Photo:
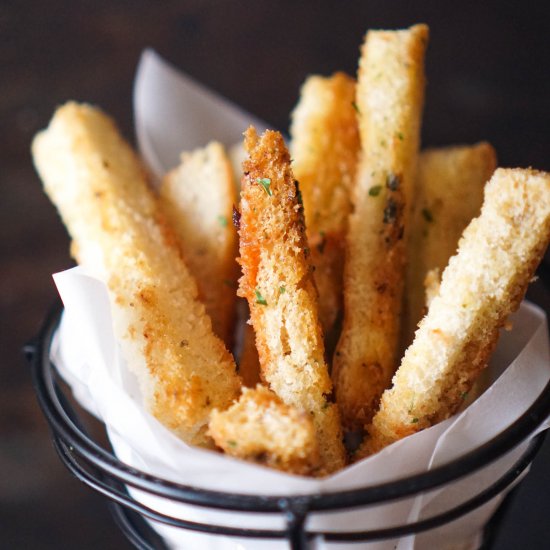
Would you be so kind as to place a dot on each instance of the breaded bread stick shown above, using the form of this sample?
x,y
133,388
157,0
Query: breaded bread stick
x,y
262,429
277,281
482,285
198,198
324,149
449,193
100,190
390,92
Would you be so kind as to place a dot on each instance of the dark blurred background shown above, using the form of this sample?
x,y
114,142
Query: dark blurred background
x,y
488,71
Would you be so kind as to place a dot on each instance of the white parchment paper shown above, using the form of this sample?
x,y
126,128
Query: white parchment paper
x,y
174,113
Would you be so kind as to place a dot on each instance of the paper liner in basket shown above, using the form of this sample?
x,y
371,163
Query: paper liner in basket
x,y
174,113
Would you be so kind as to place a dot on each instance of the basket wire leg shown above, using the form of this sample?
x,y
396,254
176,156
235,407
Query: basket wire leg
x,y
295,515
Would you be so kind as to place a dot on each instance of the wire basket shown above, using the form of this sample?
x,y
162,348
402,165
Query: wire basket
x,y
101,470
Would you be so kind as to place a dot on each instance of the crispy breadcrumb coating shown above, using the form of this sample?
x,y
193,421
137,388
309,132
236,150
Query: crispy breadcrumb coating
x,y
100,189
277,281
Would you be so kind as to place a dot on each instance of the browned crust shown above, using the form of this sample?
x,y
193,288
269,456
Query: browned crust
x,y
324,149
100,189
278,284
197,197
260,428
483,283
448,195
390,98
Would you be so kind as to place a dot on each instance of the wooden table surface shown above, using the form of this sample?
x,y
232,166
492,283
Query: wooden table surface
x,y
488,78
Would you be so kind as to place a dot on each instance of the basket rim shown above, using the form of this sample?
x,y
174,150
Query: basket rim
x,y
43,374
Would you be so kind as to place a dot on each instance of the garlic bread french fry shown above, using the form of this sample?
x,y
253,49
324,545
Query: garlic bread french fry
x,y
324,151
449,193
261,428
99,187
277,281
198,198
390,91
483,283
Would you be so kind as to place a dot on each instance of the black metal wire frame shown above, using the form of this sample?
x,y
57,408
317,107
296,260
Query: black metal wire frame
x,y
102,471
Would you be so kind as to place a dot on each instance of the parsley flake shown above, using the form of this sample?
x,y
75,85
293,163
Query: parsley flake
x,y
259,298
266,184
374,191
232,443
414,420
222,220
356,107
282,289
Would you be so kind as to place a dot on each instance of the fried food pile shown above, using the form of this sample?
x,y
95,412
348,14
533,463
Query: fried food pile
x,y
376,276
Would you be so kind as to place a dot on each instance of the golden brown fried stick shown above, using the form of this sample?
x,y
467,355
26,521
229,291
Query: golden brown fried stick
x,y
449,193
198,198
100,190
324,150
390,93
277,281
482,285
262,429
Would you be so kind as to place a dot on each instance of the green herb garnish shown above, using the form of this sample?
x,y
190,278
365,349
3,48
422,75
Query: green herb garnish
x,y
356,107
232,443
222,220
427,215
414,420
259,298
400,136
266,184
374,191
282,289
464,395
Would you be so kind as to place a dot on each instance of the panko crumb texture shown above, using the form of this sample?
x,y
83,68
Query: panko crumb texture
x,y
261,428
100,189
482,285
278,283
